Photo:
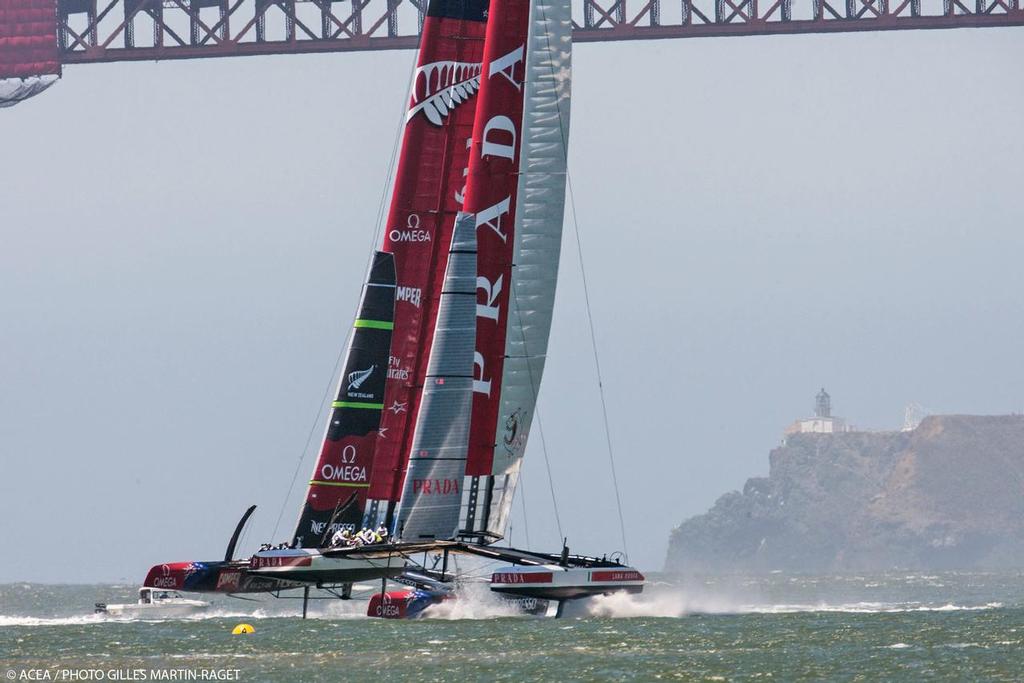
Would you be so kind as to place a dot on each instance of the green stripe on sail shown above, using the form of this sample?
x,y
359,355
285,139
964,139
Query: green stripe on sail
x,y
357,404
374,324
347,484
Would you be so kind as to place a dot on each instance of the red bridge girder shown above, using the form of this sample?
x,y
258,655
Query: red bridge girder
x,y
121,30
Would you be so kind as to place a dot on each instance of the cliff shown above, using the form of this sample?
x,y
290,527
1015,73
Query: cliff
x,y
949,494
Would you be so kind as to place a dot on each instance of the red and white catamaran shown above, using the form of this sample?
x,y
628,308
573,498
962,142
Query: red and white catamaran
x,y
437,397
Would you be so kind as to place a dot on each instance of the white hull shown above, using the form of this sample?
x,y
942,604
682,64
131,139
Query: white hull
x,y
555,582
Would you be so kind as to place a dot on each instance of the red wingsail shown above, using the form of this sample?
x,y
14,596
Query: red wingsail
x,y
428,195
491,194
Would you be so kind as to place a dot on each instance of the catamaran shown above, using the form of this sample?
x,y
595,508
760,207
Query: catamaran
x,y
435,403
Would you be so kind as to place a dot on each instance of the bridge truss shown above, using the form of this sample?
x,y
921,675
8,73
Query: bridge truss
x,y
123,30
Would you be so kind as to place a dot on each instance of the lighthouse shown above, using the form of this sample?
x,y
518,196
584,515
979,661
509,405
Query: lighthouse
x,y
823,421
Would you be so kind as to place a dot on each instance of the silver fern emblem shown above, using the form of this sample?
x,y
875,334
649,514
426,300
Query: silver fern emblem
x,y
439,87
356,379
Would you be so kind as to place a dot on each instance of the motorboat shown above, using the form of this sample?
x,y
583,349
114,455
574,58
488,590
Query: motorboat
x,y
155,603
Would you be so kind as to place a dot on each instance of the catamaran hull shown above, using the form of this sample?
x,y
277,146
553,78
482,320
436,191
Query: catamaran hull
x,y
312,567
214,577
554,582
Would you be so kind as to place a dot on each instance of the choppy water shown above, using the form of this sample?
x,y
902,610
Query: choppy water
x,y
949,626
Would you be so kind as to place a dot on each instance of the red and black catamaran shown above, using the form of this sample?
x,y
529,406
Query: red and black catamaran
x,y
435,403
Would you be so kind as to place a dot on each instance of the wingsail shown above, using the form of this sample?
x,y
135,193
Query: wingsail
x,y
428,194
516,190
432,494
337,490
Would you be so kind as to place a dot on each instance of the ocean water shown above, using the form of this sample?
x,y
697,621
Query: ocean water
x,y
911,627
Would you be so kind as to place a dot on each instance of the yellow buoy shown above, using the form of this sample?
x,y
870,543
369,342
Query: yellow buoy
x,y
243,628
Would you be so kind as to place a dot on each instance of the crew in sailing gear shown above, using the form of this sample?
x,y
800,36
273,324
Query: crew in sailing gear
x,y
382,533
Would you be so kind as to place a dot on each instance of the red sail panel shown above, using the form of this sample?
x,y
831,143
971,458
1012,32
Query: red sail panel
x,y
491,195
28,38
428,195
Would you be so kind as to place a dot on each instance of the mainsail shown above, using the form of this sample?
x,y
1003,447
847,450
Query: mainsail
x,y
428,195
337,490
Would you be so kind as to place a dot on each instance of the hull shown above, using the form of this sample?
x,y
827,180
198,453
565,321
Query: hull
x,y
554,582
413,604
213,577
310,566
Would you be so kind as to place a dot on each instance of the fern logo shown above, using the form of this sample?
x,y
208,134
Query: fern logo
x,y
356,379
439,87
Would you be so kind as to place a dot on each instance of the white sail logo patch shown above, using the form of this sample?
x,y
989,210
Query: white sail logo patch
x,y
439,87
356,379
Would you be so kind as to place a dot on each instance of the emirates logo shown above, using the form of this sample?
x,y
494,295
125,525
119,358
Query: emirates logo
x,y
439,87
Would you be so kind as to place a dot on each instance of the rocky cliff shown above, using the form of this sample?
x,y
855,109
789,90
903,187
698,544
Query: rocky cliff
x,y
949,494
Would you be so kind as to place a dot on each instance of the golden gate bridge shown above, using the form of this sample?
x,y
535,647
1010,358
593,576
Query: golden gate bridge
x,y
86,31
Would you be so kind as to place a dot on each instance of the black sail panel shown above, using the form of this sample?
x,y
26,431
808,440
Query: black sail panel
x,y
336,496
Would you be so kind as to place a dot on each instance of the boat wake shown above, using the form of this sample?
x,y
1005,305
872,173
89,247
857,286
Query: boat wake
x,y
86,619
679,604
874,608
15,620
656,603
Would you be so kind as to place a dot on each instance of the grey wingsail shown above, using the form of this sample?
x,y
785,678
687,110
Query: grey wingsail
x,y
432,495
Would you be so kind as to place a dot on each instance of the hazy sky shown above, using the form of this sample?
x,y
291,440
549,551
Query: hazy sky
x,y
182,246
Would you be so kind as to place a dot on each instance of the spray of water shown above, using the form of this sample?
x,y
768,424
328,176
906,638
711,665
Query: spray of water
x,y
678,603
659,602
473,601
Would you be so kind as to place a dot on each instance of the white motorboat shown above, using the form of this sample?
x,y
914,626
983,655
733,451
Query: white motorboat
x,y
155,603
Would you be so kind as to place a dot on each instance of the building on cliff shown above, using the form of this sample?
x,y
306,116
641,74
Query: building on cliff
x,y
823,422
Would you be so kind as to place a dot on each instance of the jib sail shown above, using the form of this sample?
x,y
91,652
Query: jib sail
x,y
338,489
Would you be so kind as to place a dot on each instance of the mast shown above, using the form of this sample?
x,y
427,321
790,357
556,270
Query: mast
x,y
428,194
336,495
516,190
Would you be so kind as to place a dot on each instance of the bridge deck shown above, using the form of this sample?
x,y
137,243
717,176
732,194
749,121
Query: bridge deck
x,y
121,30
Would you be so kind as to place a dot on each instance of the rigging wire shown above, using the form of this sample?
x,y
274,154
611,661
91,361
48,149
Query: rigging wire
x,y
309,438
388,181
536,412
597,367
586,295
522,502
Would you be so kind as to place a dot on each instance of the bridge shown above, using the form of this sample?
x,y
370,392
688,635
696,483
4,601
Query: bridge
x,y
118,30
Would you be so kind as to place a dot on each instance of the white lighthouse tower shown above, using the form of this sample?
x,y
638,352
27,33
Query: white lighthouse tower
x,y
823,421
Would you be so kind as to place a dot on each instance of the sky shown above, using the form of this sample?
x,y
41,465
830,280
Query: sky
x,y
182,246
